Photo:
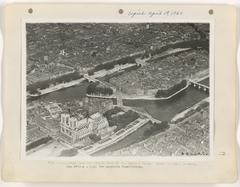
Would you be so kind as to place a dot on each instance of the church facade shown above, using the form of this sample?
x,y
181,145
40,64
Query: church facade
x,y
79,128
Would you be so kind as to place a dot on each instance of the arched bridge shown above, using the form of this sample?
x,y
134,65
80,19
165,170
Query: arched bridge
x,y
199,85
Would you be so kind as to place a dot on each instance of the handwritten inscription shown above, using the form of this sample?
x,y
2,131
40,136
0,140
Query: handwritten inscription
x,y
153,14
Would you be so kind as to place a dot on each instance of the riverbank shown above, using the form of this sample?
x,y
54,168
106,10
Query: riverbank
x,y
198,78
183,113
147,98
101,96
57,87
116,137
152,98
204,74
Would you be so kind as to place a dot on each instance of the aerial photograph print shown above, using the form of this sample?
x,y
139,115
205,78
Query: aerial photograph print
x,y
117,89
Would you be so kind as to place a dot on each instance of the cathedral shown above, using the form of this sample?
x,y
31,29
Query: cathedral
x,y
78,128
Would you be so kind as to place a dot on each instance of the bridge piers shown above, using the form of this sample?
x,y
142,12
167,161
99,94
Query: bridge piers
x,y
199,86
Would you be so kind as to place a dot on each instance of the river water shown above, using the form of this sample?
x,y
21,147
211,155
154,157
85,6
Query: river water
x,y
205,81
162,110
65,95
165,110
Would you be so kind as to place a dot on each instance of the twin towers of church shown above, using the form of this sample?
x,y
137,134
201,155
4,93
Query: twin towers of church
x,y
78,128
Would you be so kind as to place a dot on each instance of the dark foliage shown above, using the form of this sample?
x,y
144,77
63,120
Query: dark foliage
x,y
121,121
113,111
94,88
38,142
156,128
33,88
194,44
110,65
94,137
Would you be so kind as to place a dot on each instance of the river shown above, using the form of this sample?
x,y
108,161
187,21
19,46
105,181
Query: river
x,y
162,110
165,110
205,82
65,95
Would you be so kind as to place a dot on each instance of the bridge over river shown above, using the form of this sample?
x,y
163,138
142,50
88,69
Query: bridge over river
x,y
199,85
